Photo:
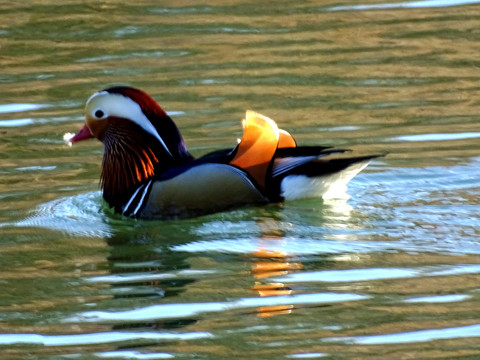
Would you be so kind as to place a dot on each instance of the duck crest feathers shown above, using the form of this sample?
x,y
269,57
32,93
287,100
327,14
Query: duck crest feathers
x,y
260,141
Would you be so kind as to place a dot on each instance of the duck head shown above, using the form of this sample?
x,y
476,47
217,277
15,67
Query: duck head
x,y
139,138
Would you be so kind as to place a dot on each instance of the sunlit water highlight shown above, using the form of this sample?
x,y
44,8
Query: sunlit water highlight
x,y
405,4
415,336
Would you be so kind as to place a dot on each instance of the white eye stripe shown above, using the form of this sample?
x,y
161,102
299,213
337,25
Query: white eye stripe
x,y
123,107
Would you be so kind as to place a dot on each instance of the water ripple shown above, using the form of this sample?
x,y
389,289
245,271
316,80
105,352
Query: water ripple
x,y
96,338
439,137
16,122
124,354
306,356
133,277
75,215
413,336
11,108
438,299
171,311
378,273
133,55
406,4
287,245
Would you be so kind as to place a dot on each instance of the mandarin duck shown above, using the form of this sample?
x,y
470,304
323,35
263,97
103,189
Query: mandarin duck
x,y
147,171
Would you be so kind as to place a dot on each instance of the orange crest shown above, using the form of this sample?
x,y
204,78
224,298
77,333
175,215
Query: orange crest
x,y
260,140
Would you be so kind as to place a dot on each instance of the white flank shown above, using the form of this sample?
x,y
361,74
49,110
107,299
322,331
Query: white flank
x,y
121,106
328,186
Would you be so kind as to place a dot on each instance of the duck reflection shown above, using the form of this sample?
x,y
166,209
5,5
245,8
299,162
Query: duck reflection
x,y
267,264
143,267
199,260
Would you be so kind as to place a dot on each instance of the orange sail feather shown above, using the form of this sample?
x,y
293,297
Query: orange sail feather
x,y
257,146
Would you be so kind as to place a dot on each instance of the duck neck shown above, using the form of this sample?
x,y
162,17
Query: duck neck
x,y
130,160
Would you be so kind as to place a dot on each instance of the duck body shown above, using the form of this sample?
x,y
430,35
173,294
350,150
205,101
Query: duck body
x,y
147,171
200,189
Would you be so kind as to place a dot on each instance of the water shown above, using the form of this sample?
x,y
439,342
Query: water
x,y
391,273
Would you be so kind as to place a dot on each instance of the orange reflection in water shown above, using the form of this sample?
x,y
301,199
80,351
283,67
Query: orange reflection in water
x,y
268,264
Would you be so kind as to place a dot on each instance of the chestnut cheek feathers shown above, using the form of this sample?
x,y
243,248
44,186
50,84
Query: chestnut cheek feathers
x,y
98,127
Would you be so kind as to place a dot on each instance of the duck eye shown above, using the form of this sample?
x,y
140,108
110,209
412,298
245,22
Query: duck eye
x,y
99,114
